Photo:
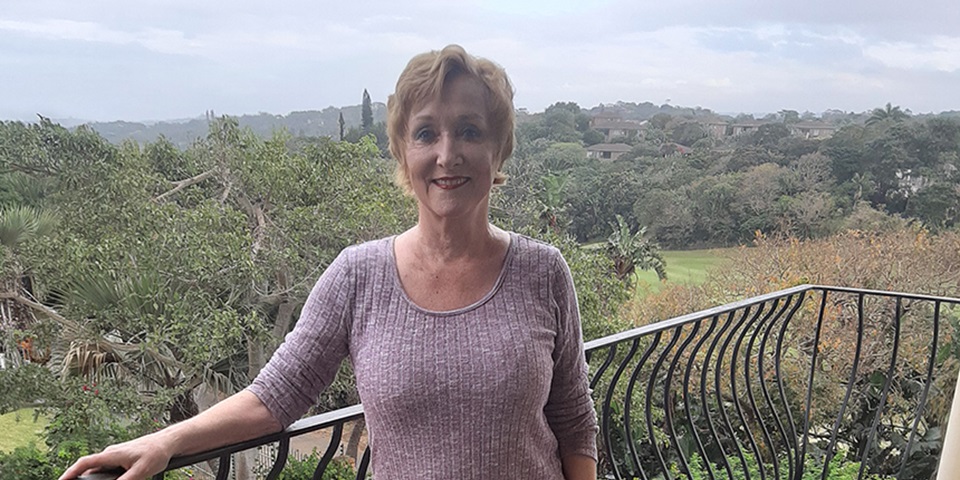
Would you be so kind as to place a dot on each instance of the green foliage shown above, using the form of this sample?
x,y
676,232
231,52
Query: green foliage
x,y
173,269
838,469
339,468
631,251
26,463
366,113
769,180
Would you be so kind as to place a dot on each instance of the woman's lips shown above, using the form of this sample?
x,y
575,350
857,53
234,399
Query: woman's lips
x,y
450,183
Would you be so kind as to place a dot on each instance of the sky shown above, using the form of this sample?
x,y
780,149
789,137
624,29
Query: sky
x,y
149,60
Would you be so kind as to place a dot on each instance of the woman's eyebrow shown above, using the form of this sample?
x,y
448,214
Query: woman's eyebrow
x,y
472,117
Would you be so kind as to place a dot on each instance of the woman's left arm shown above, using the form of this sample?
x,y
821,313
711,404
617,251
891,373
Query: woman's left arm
x,y
579,467
569,408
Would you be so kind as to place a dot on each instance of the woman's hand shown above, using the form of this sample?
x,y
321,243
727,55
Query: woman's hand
x,y
141,458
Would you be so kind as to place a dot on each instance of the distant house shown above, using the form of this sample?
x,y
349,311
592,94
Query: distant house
x,y
716,129
607,151
812,129
721,129
674,149
740,128
613,127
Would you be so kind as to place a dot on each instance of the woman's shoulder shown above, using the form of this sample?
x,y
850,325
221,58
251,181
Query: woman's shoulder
x,y
376,250
539,252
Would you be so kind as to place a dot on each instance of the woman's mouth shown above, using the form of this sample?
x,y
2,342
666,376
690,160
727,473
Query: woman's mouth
x,y
450,183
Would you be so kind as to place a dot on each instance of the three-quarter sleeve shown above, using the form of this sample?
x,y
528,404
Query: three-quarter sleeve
x,y
569,408
311,354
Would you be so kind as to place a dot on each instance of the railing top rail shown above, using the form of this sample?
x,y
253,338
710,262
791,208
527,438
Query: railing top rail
x,y
885,293
668,324
297,428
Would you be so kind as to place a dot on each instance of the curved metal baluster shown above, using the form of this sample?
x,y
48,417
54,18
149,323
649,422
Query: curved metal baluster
x,y
629,400
801,458
608,399
703,393
637,370
611,353
703,386
846,397
926,387
330,451
281,459
716,377
766,392
758,415
886,386
795,470
223,468
364,464
684,463
733,383
649,406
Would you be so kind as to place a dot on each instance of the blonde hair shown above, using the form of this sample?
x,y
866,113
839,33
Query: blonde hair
x,y
425,76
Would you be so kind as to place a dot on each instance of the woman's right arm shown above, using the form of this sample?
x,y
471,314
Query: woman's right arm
x,y
240,417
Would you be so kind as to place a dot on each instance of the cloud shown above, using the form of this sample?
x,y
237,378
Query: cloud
x,y
940,53
254,56
159,40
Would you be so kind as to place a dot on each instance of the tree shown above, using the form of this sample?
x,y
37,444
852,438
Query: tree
x,y
171,270
592,137
937,206
687,133
660,121
889,112
560,122
630,251
789,116
551,200
366,113
342,123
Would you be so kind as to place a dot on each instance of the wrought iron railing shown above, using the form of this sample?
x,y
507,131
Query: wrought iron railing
x,y
790,385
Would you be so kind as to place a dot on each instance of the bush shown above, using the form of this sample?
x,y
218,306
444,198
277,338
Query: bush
x,y
340,468
26,463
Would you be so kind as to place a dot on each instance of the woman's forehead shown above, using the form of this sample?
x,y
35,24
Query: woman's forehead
x,y
466,94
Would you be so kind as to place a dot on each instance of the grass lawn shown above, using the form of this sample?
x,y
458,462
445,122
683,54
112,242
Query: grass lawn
x,y
683,266
15,433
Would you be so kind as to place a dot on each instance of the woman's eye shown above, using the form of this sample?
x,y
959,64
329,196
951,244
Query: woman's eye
x,y
470,133
423,135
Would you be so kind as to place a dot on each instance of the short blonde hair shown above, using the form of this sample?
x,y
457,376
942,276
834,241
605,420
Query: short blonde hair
x,y
425,76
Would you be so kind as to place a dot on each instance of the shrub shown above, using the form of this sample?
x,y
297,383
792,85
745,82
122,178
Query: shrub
x,y
26,463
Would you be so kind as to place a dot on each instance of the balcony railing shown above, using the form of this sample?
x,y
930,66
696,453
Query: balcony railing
x,y
811,379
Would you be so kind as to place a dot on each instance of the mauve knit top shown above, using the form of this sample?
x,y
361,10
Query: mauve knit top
x,y
494,390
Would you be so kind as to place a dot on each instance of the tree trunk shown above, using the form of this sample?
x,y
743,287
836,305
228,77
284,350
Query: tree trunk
x,y
183,407
353,444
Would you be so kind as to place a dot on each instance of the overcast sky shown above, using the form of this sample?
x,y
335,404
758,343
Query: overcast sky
x,y
171,59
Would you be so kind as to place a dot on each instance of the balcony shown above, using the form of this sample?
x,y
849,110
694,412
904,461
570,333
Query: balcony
x,y
808,380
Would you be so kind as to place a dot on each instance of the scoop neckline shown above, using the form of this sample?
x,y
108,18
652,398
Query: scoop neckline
x,y
457,311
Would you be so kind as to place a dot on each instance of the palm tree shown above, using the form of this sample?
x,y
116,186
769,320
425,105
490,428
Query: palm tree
x,y
551,199
630,251
894,114
17,226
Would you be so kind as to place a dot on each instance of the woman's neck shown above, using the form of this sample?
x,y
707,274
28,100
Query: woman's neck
x,y
451,240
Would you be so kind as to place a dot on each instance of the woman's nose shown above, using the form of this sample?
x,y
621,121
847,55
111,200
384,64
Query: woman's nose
x,y
448,151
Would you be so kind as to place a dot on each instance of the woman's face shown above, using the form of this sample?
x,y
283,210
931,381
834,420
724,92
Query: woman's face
x,y
450,152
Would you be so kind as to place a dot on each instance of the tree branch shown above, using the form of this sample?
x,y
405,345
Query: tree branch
x,y
182,184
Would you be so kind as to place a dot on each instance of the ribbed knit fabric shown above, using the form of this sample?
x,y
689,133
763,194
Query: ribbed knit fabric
x,y
494,390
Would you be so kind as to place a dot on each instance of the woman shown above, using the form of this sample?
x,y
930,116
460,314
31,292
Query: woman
x,y
465,339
